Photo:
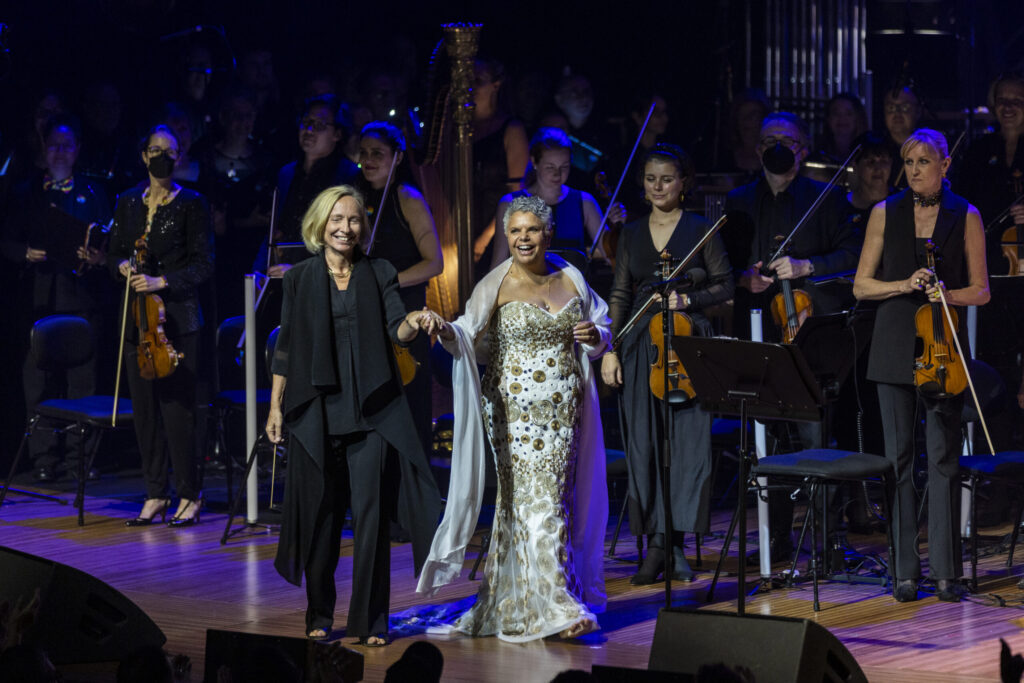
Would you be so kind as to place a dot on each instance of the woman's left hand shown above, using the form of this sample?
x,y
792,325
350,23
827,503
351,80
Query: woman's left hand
x,y
147,283
932,291
586,333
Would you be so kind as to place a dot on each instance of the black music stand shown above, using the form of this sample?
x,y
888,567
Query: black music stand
x,y
754,380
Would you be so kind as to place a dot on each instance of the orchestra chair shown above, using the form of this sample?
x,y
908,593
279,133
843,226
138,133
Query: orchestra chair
x,y
59,343
813,471
263,398
617,471
1008,468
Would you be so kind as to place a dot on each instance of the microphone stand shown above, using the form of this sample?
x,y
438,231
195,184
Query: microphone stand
x,y
666,443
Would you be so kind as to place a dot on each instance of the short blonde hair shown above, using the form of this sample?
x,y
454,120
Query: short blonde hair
x,y
926,136
314,223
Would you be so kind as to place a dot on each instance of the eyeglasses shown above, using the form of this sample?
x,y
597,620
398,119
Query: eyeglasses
x,y
892,108
785,141
62,147
315,125
1010,102
154,151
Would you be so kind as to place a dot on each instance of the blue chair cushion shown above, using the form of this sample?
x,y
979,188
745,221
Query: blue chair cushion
x,y
824,463
1006,465
236,397
95,410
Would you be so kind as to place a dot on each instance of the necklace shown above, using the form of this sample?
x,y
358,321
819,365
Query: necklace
x,y
342,273
928,200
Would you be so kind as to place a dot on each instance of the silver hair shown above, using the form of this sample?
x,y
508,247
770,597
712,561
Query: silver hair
x,y
529,204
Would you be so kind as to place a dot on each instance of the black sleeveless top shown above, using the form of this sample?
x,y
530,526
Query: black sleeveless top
x,y
395,243
891,359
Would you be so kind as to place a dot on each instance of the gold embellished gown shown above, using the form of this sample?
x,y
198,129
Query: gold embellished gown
x,y
531,401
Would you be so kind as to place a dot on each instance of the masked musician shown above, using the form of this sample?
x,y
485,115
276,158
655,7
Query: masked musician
x,y
893,269
45,234
667,173
175,225
758,213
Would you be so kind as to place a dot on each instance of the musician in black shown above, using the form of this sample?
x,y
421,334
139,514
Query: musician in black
x,y
45,235
175,223
758,214
668,172
893,270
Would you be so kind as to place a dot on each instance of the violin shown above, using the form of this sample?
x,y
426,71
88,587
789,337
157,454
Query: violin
x,y
939,371
156,356
791,307
668,377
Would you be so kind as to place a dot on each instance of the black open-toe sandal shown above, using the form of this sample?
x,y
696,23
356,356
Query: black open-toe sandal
x,y
365,640
319,634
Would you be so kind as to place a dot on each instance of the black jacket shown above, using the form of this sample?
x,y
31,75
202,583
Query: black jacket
x,y
305,354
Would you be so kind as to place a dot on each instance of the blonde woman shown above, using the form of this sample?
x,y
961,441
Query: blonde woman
x,y
352,441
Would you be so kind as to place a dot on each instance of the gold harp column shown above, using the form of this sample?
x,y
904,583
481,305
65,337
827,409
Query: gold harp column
x,y
461,44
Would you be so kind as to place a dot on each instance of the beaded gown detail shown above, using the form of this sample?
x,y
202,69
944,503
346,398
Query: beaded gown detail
x,y
531,401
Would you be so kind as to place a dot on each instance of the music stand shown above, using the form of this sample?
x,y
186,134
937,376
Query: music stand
x,y
754,380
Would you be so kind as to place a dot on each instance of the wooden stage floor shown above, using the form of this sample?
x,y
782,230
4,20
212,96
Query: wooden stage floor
x,y
187,582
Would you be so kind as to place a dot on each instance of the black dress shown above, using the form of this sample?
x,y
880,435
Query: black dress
x,y
636,265
395,243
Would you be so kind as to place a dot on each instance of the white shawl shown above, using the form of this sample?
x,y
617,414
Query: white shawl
x,y
589,517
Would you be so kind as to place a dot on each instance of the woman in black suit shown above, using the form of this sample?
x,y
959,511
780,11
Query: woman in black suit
x,y
353,443
175,224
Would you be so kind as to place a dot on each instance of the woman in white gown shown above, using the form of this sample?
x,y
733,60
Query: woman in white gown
x,y
543,325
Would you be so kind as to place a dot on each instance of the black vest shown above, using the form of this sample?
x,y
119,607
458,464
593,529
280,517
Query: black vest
x,y
893,341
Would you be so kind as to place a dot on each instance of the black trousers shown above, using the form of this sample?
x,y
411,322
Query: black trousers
x,y
353,476
169,403
898,403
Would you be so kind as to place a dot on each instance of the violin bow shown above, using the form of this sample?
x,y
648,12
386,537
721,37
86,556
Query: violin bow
x,y
814,207
963,358
120,346
270,236
383,198
618,186
628,327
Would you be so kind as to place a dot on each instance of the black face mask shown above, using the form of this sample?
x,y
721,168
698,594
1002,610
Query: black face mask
x,y
161,166
778,159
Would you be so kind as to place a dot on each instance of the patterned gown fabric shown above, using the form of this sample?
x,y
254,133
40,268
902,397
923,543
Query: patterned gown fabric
x,y
531,403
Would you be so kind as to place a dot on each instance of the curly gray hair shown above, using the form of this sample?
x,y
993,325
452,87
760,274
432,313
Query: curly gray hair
x,y
529,204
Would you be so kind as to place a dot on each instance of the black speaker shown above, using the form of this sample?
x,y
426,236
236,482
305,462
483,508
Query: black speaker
x,y
775,649
279,658
80,618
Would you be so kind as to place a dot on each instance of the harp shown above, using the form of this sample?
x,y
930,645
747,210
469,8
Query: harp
x,y
443,163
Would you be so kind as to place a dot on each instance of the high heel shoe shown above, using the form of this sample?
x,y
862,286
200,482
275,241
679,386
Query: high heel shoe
x,y
654,562
188,515
161,509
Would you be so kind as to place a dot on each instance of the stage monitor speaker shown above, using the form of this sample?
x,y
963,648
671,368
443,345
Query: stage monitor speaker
x,y
775,649
80,618
253,655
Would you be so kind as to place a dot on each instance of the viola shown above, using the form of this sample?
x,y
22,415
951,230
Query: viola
x,y
668,376
791,307
939,371
156,355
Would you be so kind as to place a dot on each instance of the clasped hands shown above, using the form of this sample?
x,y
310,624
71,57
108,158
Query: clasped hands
x,y
784,267
584,332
